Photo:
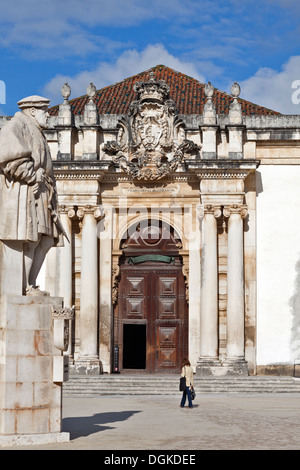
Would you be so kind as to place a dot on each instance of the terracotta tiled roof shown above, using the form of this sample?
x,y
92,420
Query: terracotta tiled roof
x,y
186,91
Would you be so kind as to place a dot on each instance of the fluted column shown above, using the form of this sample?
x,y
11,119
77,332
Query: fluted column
x,y
88,361
209,290
235,353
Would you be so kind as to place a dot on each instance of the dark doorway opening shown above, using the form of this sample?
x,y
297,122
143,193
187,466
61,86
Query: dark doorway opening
x,y
134,346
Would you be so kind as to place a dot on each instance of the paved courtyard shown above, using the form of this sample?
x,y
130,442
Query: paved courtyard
x,y
217,422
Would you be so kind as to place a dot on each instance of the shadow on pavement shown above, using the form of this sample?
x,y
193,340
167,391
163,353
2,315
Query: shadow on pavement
x,y
81,426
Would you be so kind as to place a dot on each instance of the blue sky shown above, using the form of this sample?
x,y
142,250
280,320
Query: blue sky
x,y
44,44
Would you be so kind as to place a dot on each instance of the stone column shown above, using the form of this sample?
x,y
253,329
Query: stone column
x,y
66,216
235,355
88,361
209,292
67,213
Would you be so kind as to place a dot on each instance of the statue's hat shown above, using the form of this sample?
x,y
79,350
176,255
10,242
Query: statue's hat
x,y
33,101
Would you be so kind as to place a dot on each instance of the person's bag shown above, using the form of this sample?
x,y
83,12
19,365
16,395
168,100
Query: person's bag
x,y
182,384
193,394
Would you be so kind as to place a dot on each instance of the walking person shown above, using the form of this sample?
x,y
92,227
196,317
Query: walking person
x,y
187,372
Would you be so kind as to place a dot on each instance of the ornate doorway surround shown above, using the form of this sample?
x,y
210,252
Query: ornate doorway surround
x,y
151,315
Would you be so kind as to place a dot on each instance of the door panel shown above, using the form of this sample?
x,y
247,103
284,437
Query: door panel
x,y
135,285
167,285
135,296
167,360
167,308
154,295
167,347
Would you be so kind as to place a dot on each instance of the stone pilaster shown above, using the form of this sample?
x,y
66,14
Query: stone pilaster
x,y
105,290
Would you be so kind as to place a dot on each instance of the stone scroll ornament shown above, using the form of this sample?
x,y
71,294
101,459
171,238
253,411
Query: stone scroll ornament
x,y
151,139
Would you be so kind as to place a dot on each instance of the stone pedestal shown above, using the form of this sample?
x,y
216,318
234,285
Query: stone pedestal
x,y
209,367
11,272
90,142
30,402
64,131
209,142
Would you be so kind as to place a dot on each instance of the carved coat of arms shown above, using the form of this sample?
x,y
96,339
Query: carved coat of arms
x,y
151,139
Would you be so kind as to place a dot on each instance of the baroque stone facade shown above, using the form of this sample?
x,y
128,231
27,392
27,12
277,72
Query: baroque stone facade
x,y
180,228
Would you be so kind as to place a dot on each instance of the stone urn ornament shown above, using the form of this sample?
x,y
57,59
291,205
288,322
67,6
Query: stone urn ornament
x,y
235,90
66,91
91,91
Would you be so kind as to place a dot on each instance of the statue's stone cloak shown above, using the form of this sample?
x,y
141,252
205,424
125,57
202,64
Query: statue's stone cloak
x,y
25,215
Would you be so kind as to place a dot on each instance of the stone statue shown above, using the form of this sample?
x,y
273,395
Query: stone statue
x,y
28,198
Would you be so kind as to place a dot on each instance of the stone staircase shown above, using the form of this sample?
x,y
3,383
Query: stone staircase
x,y
113,385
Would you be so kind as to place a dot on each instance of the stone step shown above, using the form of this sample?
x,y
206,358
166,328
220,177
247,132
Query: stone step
x,y
104,385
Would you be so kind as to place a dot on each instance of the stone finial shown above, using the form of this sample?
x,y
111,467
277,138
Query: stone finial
x,y
90,111
209,91
91,91
66,91
209,110
235,90
64,112
235,110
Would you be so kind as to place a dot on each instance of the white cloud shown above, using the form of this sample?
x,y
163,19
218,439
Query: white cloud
x,y
273,89
129,63
62,29
100,12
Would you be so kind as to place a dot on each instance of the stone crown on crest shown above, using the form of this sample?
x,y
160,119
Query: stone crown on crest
x,y
152,90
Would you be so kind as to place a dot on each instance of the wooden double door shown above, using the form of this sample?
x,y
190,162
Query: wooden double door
x,y
152,317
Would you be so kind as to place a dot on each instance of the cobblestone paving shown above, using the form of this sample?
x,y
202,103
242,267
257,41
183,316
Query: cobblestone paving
x,y
217,422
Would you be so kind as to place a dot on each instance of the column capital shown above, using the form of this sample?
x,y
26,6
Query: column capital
x,y
211,209
242,210
68,210
96,211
